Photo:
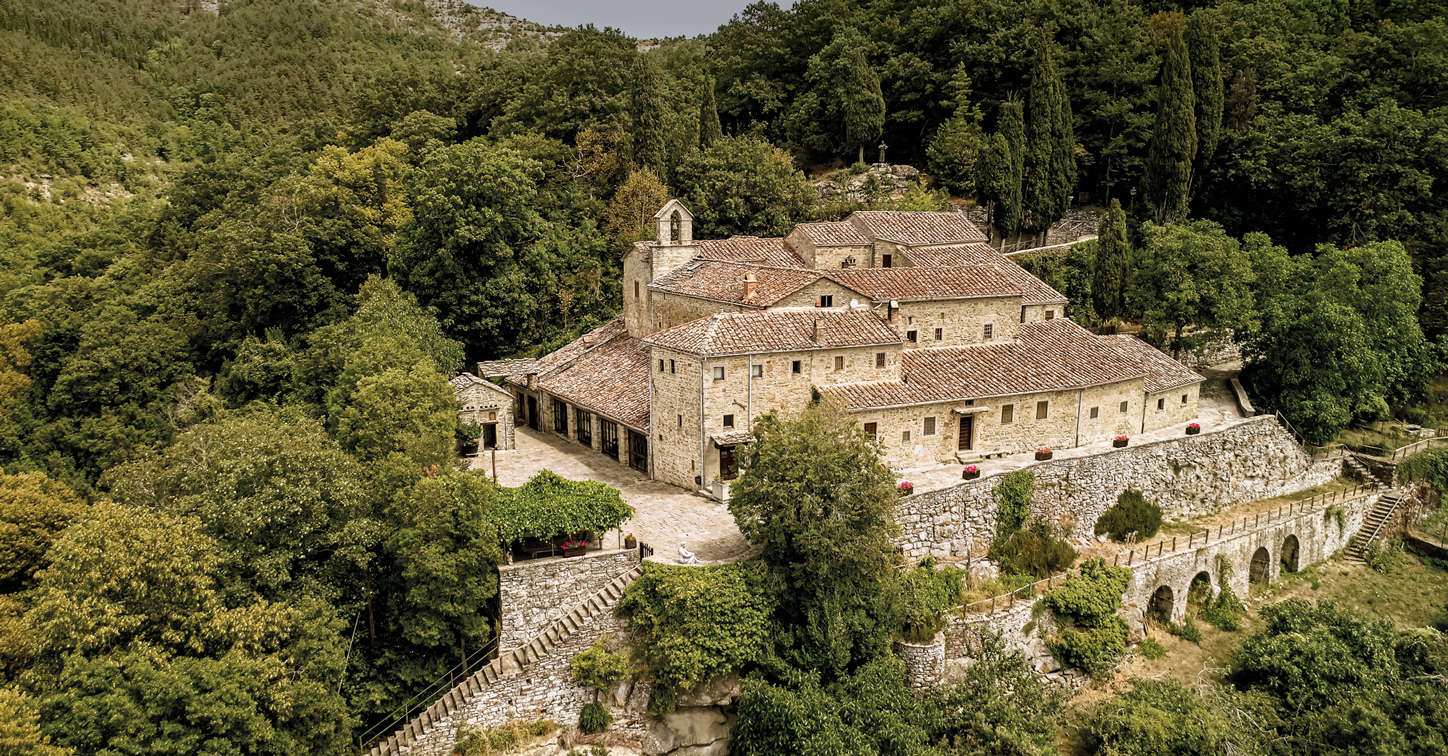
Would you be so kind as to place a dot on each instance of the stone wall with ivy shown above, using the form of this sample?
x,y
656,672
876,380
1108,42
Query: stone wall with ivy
x,y
1186,476
534,593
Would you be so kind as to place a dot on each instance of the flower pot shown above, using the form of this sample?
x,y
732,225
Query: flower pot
x,y
1119,442
1193,430
579,551
629,542
1043,455
970,474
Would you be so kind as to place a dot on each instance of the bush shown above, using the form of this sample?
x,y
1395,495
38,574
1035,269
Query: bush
x,y
1034,550
1151,648
1158,717
1132,516
1430,466
1094,649
925,594
548,506
1187,631
1013,502
475,741
1226,611
593,718
1094,593
1383,558
598,668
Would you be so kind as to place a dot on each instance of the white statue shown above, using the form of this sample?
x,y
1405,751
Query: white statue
x,y
686,556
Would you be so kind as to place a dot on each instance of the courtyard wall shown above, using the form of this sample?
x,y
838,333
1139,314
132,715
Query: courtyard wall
x,y
533,594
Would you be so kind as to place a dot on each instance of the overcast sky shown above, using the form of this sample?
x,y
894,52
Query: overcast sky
x,y
638,18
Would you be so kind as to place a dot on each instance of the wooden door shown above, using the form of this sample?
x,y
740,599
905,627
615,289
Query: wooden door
x,y
966,441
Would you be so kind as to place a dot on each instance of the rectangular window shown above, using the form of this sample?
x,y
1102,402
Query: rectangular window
x,y
1023,314
872,429
988,331
1008,414
661,365
1095,411
912,336
718,373
839,363
1161,404
756,370
794,367
1184,398
939,334
560,417
681,421
671,366
1123,408
1042,408
886,260
728,421
905,435
636,289
583,424
728,468
827,300
1050,314
608,437
929,428
879,359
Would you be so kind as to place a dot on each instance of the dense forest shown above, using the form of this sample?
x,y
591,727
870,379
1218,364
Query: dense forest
x,y
242,251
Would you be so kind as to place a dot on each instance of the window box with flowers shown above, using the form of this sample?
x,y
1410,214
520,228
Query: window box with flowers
x,y
1120,441
905,488
971,472
575,546
1193,429
1043,454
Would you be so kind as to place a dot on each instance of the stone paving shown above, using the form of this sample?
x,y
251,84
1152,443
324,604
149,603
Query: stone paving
x,y
664,516
1217,409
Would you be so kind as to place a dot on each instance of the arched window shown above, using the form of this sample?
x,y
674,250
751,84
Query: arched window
x,y
675,222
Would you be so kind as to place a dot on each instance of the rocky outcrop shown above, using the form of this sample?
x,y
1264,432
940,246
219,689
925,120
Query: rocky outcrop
x,y
699,725
879,181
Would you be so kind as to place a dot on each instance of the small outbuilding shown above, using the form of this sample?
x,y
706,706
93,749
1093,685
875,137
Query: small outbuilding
x,y
487,405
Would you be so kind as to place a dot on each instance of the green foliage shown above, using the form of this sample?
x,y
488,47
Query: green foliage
x,y
1428,466
20,733
1315,655
1191,275
1131,517
1034,550
646,111
631,213
1112,263
709,129
1013,501
1162,717
1095,648
926,593
549,505
1093,593
1151,648
1382,556
1174,137
1049,180
1225,611
1001,705
699,623
1187,630
959,144
593,718
33,511
475,741
742,185
598,667
1204,51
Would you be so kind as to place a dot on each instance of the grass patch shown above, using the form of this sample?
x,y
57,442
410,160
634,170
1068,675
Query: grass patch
x,y
1381,435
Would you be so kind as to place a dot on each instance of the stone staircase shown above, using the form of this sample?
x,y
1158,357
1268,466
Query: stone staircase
x,y
1373,524
507,665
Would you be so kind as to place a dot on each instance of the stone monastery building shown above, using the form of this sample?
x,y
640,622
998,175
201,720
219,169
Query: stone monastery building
x,y
940,346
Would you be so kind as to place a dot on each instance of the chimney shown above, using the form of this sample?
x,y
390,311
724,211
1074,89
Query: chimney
x,y
819,331
750,284
890,310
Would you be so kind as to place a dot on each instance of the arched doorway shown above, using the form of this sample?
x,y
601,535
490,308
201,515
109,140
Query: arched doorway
x,y
1199,593
1261,571
1289,554
1159,608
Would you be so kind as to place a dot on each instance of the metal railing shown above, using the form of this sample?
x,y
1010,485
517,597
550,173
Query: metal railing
x,y
401,715
1169,546
1398,454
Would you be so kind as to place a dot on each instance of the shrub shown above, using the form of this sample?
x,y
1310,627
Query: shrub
x,y
1094,593
548,506
1226,611
1430,466
1093,649
1033,550
1187,631
1151,648
598,668
699,623
475,741
593,718
1132,516
1013,502
1383,557
925,594
1158,717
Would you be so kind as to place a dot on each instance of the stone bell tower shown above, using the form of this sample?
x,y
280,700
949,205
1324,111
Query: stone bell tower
x,y
675,238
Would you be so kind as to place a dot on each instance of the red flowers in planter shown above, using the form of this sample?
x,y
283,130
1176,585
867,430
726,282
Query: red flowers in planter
x,y
1120,441
906,488
971,472
1193,429
1043,453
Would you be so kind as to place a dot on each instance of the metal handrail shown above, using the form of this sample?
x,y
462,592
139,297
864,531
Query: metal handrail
x,y
1378,528
400,716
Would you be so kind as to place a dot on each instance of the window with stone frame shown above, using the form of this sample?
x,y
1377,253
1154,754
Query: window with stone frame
x,y
636,289
912,336
728,421
879,359
928,428
671,366
839,362
1184,398
939,334
661,364
988,331
872,430
1050,314
719,373
756,371
795,366
905,435
1043,408
1161,404
1124,406
560,416
827,300
1008,414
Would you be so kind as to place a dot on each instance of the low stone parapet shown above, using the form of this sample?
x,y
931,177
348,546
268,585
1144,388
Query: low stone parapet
x,y
924,662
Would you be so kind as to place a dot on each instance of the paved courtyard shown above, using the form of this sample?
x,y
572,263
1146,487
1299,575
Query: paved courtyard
x,y
664,516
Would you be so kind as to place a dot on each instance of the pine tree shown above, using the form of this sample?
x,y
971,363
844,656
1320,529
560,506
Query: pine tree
x,y
1050,164
709,128
1012,131
861,102
955,150
1113,255
650,148
1204,52
1174,138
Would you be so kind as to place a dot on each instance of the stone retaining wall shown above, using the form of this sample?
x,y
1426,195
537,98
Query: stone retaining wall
x,y
1186,476
536,592
924,662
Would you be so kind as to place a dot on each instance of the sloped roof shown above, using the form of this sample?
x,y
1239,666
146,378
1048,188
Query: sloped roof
x,y
776,331
1053,355
465,381
493,368
610,378
724,281
575,348
1162,372
913,228
962,282
772,251
1034,291
832,234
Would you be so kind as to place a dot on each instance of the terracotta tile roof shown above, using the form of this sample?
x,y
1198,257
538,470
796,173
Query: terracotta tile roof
x,y
570,351
750,249
465,381
493,368
916,228
1033,290
611,379
833,234
724,281
731,438
1162,372
776,331
928,283
1048,356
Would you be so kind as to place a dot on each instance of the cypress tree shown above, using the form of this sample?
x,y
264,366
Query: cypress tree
x,y
993,164
1012,133
1113,255
1050,164
862,104
1204,52
1174,137
647,102
709,128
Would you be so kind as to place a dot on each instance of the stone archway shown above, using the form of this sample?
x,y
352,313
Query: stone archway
x,y
1159,609
1261,570
1289,555
1199,593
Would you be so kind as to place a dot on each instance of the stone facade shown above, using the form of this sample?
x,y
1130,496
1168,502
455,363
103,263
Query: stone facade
x,y
487,405
1187,476
534,593
924,662
958,321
